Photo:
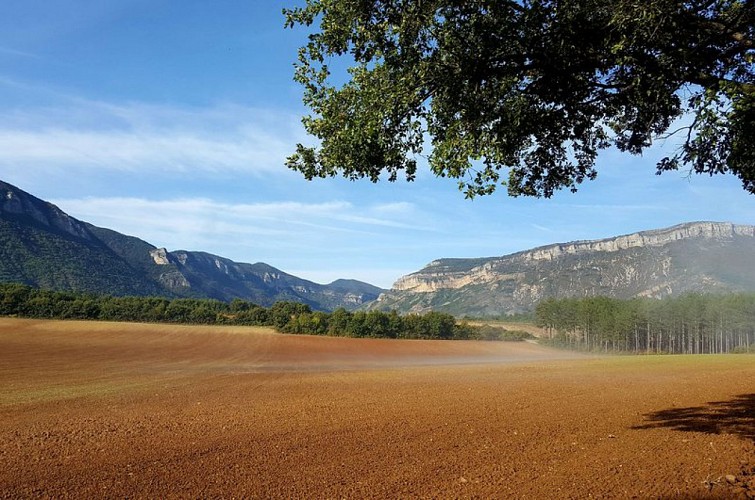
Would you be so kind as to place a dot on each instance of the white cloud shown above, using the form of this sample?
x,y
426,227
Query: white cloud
x,y
601,207
136,150
83,135
400,207
17,53
198,220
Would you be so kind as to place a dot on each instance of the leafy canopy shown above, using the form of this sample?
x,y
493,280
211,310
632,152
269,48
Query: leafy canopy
x,y
524,93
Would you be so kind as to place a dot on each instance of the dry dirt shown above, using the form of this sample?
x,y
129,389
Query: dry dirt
x,y
122,410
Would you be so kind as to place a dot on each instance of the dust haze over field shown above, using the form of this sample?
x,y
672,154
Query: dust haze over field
x,y
116,410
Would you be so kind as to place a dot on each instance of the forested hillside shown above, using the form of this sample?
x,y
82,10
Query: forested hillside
x,y
48,257
42,246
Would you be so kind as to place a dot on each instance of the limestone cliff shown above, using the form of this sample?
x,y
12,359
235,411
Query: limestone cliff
x,y
698,256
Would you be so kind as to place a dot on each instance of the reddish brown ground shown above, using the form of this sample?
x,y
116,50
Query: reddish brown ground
x,y
122,410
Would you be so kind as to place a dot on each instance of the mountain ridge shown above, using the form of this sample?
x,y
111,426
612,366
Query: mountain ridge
x,y
45,247
652,263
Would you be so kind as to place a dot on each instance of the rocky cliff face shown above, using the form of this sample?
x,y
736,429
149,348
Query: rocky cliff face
x,y
700,256
656,238
217,277
16,203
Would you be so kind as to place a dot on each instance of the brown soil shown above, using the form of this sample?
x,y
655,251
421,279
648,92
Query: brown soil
x,y
123,410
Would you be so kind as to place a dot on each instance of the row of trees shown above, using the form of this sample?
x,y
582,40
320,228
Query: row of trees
x,y
691,324
287,317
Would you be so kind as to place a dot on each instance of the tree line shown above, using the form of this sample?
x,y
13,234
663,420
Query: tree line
x,y
690,324
286,317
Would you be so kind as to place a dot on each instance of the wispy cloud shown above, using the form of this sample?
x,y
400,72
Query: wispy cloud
x,y
616,207
17,53
247,151
199,220
544,229
81,135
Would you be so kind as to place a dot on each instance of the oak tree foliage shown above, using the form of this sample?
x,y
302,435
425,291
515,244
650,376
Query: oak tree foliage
x,y
524,93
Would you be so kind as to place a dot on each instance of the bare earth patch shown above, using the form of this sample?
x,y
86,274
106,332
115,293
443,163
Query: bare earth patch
x,y
126,410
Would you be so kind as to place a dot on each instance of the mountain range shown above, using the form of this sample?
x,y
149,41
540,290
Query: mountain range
x,y
693,257
42,246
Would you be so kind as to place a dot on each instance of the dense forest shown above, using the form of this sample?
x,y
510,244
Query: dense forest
x,y
286,317
690,324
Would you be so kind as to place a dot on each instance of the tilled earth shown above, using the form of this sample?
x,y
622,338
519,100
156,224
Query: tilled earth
x,y
124,410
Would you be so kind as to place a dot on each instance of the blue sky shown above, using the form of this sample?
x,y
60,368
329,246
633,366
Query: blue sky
x,y
171,121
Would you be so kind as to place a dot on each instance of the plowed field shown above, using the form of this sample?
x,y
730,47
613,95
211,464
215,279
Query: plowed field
x,y
92,410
